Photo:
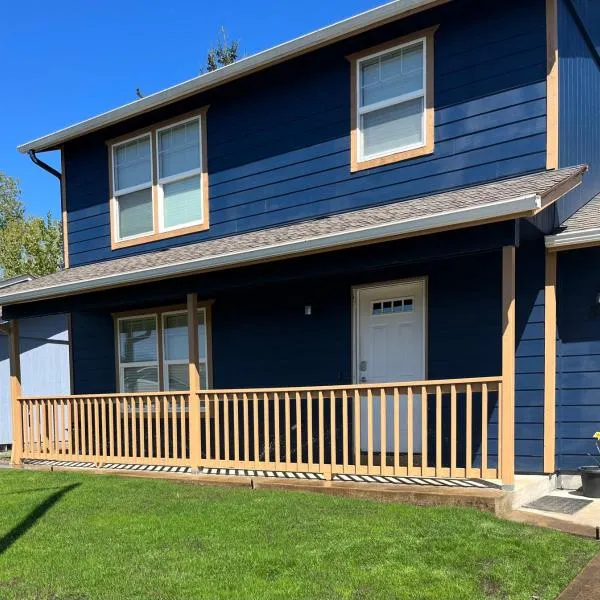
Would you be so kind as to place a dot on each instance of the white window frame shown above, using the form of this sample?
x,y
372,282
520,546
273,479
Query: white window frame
x,y
161,181
360,111
166,363
134,188
124,365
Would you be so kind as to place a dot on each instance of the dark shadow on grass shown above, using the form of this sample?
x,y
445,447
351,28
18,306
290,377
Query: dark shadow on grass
x,y
21,528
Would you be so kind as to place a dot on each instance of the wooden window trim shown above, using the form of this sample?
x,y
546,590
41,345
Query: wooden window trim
x,y
428,147
158,312
156,235
552,86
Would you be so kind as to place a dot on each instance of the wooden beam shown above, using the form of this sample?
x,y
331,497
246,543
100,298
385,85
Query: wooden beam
x,y
194,379
552,93
14,357
550,363
507,402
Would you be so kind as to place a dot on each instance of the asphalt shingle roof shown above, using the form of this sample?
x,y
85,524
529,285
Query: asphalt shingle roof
x,y
587,217
543,184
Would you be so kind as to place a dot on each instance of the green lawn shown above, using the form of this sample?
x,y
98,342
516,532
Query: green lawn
x,y
75,536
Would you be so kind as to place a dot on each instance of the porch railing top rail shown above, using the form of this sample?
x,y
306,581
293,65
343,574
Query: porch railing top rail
x,y
355,386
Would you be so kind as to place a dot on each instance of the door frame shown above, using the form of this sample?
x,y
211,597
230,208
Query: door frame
x,y
356,289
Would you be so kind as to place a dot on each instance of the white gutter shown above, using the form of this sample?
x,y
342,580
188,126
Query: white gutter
x,y
460,217
261,60
567,239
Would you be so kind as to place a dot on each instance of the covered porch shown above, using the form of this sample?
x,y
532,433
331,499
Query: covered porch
x,y
326,414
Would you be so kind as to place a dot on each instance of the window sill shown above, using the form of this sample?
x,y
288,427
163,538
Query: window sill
x,y
154,237
380,161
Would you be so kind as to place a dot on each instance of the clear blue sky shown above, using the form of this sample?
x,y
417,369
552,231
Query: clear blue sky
x,y
67,60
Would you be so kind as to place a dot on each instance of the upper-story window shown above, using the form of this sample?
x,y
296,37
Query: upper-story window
x,y
392,101
159,183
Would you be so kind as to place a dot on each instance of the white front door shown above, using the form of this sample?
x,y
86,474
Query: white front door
x,y
390,346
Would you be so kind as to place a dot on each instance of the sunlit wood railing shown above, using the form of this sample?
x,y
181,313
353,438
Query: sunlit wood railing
x,y
148,428
446,428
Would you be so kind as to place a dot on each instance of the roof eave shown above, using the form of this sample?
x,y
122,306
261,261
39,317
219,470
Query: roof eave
x,y
245,66
573,239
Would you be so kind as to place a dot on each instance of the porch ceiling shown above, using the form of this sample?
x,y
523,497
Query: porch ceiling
x,y
497,201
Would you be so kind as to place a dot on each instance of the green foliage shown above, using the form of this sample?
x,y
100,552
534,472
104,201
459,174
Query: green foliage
x,y
11,207
223,53
28,245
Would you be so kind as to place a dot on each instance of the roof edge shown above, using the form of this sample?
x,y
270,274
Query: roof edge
x,y
518,206
571,239
245,66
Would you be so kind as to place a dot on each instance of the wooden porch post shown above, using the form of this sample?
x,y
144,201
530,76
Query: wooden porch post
x,y
194,378
14,357
507,403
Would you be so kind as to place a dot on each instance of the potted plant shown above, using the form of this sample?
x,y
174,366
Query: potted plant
x,y
590,476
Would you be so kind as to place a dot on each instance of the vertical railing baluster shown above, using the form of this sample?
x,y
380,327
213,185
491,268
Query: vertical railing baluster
x,y
438,431
174,436
396,431
157,427
453,430
344,431
298,431
424,432
149,423
288,433
276,431
266,427
309,430
410,425
369,431
469,432
356,419
246,428
255,417
217,429
236,431
142,429
382,430
126,425
484,429
167,437
226,430
183,455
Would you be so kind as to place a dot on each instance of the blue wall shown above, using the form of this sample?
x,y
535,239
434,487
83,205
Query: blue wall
x,y
578,360
44,364
579,102
529,364
278,141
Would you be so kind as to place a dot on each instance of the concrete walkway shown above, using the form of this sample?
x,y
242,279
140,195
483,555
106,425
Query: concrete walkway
x,y
585,520
586,586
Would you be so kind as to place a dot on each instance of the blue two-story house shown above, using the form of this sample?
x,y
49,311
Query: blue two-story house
x,y
330,257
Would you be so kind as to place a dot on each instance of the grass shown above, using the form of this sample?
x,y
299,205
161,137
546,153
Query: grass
x,y
76,536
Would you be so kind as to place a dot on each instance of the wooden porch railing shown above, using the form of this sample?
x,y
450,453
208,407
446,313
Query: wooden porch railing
x,y
447,428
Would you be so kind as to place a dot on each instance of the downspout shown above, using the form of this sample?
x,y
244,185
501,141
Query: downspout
x,y
40,163
45,166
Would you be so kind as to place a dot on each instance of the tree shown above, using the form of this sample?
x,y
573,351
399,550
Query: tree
x,y
28,245
223,53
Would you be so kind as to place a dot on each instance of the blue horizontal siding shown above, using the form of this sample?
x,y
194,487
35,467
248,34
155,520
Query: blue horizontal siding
x,y
529,382
578,357
278,141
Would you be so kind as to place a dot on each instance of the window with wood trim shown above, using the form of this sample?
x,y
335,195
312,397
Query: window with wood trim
x,y
153,351
159,184
392,101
